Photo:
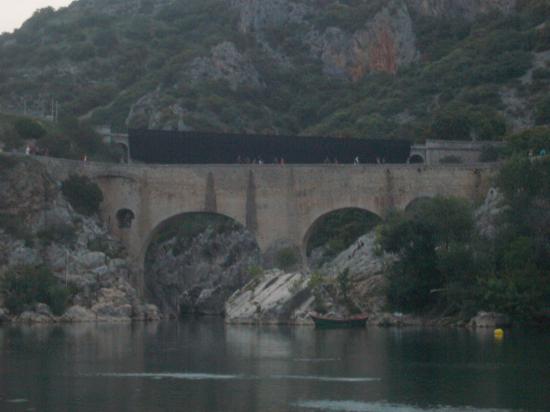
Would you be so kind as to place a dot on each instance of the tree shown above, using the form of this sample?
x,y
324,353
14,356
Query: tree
x,y
84,195
29,129
426,239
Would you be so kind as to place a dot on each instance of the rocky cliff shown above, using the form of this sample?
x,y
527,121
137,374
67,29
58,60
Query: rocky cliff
x,y
39,228
196,273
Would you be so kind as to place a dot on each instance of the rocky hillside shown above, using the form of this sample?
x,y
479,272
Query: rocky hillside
x,y
400,68
43,241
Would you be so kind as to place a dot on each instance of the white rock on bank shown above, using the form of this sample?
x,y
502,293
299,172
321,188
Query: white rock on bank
x,y
92,260
33,317
489,320
276,297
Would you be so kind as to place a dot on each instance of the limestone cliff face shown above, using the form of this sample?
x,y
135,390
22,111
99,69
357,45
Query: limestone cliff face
x,y
386,43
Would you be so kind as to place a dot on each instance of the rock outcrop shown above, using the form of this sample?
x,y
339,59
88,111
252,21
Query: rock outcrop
x,y
225,63
197,275
40,228
278,297
274,297
488,214
490,320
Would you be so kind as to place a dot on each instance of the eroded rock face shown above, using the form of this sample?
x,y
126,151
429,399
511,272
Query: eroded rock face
x,y
226,63
200,277
386,43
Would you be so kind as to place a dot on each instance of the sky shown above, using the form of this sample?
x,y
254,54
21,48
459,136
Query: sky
x,y
14,12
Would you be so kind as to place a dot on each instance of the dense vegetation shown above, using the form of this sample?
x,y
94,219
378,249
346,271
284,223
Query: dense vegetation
x,y
454,91
67,138
84,195
446,266
23,287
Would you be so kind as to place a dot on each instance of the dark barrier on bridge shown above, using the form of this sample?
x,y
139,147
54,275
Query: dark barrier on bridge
x,y
154,146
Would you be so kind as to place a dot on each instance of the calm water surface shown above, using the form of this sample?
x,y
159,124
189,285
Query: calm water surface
x,y
208,366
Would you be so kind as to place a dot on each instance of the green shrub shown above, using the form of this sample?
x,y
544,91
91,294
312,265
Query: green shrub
x,y
60,233
25,286
14,226
29,129
84,195
287,258
255,272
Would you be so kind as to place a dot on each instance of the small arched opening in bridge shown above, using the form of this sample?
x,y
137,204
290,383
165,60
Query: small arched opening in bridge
x,y
416,159
336,231
124,218
195,261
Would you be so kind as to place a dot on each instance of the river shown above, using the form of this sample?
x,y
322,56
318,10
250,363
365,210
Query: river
x,y
206,366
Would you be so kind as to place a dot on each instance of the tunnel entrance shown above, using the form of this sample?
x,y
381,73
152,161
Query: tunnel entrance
x,y
334,232
195,261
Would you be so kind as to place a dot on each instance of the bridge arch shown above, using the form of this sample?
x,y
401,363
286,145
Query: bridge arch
x,y
342,226
171,223
195,252
416,159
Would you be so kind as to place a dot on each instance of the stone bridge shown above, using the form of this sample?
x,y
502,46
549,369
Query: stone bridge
x,y
278,204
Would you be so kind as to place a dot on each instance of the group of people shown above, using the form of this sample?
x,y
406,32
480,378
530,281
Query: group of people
x,y
258,160
281,160
33,150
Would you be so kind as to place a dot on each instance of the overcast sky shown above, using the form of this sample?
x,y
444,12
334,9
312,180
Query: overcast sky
x,y
14,12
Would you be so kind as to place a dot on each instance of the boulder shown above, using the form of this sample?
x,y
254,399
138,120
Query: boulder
x,y
43,309
146,313
92,260
490,320
33,317
78,314
112,312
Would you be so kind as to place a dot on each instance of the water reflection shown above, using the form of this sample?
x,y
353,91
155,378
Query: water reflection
x,y
208,366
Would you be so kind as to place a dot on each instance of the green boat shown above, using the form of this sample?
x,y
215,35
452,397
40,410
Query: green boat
x,y
326,322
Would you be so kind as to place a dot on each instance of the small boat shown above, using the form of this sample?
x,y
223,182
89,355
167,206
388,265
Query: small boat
x,y
327,322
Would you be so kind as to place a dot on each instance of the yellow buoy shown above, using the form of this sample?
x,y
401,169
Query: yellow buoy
x,y
499,333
